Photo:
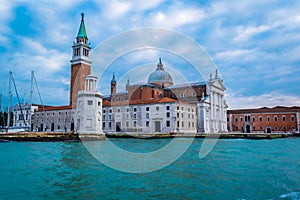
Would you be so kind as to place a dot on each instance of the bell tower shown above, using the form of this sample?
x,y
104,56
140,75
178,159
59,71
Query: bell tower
x,y
80,63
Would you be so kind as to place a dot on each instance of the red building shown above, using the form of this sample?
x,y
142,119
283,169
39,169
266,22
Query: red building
x,y
264,120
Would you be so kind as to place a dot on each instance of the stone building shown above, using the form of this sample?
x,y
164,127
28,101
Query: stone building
x,y
22,114
264,120
202,106
88,115
155,106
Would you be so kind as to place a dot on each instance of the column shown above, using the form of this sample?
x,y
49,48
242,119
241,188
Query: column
x,y
211,111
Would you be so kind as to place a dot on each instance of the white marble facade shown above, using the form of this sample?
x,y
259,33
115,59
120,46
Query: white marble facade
x,y
88,114
151,118
212,110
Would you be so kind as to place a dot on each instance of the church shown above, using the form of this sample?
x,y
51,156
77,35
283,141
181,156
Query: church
x,y
156,106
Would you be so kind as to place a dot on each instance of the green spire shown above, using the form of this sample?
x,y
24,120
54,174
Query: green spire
x,y
82,31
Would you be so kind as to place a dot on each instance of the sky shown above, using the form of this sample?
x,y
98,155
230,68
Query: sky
x,y
254,44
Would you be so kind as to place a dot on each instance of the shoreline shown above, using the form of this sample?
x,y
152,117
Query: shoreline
x,y
59,136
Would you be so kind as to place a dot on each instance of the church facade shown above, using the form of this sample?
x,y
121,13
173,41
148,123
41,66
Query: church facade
x,y
157,106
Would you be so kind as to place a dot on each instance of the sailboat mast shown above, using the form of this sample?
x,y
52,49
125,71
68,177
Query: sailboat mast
x,y
9,99
30,103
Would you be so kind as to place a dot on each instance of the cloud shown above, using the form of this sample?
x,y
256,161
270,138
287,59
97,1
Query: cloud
x,y
246,32
233,53
264,100
177,16
254,43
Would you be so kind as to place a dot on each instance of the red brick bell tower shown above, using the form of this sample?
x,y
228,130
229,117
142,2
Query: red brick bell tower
x,y
80,62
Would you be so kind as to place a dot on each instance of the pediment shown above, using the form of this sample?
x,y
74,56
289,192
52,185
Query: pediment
x,y
219,84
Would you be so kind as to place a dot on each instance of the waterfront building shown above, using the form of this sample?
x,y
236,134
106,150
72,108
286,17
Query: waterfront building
x,y
264,120
88,115
22,113
155,106
164,115
161,106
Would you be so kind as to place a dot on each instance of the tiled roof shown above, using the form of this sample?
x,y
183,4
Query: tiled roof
x,y
136,102
265,110
49,108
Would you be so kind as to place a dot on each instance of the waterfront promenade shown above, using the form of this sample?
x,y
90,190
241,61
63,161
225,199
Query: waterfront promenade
x,y
69,136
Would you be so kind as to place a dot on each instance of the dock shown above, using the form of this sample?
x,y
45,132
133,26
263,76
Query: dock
x,y
69,136
39,136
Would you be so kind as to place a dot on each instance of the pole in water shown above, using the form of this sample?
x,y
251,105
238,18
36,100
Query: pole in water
x,y
9,99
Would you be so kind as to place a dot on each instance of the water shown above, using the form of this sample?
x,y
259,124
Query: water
x,y
235,169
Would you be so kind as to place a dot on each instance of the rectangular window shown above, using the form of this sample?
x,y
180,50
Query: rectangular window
x,y
168,114
109,124
157,108
147,108
177,107
147,115
104,111
90,102
168,108
103,124
134,116
178,124
268,118
147,123
127,124
168,123
134,124
182,123
177,115
119,110
134,109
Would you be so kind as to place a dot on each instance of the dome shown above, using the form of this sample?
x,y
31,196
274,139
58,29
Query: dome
x,y
160,76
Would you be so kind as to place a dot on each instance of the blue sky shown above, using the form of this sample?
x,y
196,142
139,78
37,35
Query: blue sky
x,y
255,44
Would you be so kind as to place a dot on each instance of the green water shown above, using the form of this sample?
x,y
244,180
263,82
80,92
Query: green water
x,y
234,169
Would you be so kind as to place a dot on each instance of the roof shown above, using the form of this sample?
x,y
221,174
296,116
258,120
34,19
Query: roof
x,y
82,30
136,102
184,85
265,110
50,108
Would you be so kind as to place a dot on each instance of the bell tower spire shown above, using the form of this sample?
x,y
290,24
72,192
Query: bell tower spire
x,y
82,36
80,62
